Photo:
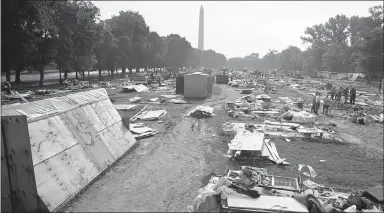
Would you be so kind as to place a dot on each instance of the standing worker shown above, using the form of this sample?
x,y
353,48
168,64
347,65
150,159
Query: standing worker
x,y
313,109
353,96
326,104
7,87
339,94
317,103
346,91
333,92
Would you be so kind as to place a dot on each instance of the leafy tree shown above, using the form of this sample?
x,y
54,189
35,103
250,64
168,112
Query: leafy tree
x,y
27,27
177,49
370,43
290,58
131,31
105,47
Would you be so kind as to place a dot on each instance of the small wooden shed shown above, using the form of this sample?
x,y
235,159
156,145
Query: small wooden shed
x,y
209,84
196,85
180,85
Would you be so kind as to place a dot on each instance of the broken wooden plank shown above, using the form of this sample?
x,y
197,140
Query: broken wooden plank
x,y
134,118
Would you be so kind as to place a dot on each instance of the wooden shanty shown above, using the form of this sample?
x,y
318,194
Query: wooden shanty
x,y
196,85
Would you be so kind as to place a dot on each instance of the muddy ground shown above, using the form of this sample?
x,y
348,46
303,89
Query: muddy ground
x,y
164,172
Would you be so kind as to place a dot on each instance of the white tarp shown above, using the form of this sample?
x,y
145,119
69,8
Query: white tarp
x,y
138,88
56,105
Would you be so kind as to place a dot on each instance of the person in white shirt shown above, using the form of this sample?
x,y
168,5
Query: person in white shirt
x,y
317,106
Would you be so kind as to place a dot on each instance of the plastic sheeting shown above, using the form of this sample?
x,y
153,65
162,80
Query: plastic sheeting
x,y
215,186
51,106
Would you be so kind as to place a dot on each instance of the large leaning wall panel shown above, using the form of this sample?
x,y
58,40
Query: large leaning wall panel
x,y
46,141
73,138
59,177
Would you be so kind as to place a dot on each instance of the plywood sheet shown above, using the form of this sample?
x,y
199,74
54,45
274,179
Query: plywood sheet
x,y
6,201
87,136
265,202
195,85
20,165
118,139
124,106
152,115
101,114
59,177
49,137
245,140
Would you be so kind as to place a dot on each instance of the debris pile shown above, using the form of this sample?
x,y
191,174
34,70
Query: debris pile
x,y
201,112
140,131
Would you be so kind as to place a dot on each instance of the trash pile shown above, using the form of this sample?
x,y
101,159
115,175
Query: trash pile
x,y
135,88
140,131
252,189
298,117
201,112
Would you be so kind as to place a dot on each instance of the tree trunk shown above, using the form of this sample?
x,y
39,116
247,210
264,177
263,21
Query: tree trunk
x,y
145,69
123,71
77,77
137,70
41,71
83,75
65,74
89,79
17,75
8,75
61,80
100,76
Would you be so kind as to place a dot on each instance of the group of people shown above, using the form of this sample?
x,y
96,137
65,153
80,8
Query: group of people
x,y
336,94
316,104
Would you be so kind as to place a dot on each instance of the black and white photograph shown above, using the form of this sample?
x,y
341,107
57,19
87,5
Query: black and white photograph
x,y
192,106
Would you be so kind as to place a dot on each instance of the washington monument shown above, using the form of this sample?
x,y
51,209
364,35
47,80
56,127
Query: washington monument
x,y
201,29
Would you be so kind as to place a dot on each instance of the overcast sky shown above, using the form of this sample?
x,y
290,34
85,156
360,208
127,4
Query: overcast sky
x,y
238,28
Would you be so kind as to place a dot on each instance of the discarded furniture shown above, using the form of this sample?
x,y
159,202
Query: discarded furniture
x,y
264,203
276,182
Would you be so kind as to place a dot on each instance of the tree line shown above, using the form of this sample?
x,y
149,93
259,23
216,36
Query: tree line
x,y
69,36
342,44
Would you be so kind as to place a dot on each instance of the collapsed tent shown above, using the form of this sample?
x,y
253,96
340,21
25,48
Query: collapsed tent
x,y
73,139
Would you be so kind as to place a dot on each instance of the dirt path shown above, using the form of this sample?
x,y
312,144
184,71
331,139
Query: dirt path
x,y
163,173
